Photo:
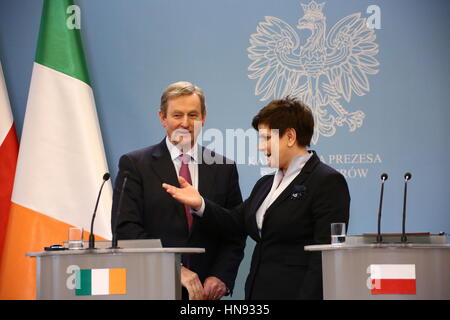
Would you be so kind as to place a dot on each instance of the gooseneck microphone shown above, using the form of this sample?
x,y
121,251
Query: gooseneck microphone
x,y
384,177
91,236
407,177
114,240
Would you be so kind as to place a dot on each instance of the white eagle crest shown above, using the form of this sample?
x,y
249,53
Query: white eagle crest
x,y
326,68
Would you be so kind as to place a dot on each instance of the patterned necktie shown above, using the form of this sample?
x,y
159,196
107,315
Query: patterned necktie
x,y
184,172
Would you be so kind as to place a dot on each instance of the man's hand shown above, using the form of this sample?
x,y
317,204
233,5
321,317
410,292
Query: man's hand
x,y
214,288
187,194
192,283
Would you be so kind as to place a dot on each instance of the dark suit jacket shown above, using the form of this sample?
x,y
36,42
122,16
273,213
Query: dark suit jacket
x,y
148,211
300,216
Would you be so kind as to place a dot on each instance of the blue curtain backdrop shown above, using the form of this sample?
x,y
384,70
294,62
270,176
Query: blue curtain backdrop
x,y
136,48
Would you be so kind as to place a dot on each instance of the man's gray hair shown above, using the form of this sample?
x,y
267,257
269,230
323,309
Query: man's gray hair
x,y
181,88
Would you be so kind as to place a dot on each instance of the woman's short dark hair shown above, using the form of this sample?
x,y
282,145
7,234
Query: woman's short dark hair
x,y
286,113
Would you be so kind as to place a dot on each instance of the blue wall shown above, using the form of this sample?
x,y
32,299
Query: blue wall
x,y
135,48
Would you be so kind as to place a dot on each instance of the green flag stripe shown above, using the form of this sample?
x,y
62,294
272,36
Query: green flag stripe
x,y
85,288
60,47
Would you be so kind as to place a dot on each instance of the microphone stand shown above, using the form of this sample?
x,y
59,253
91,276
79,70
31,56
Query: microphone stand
x,y
91,236
384,177
114,240
407,177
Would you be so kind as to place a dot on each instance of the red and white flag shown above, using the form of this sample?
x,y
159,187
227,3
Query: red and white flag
x,y
9,149
393,278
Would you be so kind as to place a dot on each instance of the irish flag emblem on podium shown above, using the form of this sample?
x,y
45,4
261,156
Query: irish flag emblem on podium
x,y
393,278
91,282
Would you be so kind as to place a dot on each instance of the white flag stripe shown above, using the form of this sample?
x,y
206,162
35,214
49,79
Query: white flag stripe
x,y
100,282
6,118
392,271
61,158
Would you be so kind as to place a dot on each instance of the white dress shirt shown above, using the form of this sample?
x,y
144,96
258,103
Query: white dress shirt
x,y
193,162
280,182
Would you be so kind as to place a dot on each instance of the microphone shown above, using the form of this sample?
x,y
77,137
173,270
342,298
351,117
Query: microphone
x,y
114,240
91,236
407,177
384,177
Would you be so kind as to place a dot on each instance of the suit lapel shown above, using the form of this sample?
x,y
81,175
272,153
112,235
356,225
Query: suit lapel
x,y
300,179
206,174
256,203
163,165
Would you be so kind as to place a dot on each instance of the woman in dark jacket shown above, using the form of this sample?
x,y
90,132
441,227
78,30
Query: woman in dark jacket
x,y
285,211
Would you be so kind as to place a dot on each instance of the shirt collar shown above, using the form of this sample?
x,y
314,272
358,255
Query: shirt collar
x,y
296,165
175,152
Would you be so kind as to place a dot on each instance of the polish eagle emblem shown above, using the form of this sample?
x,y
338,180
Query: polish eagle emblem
x,y
327,68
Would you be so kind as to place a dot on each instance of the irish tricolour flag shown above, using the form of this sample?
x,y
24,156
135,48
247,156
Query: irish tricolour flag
x,y
61,158
393,278
101,282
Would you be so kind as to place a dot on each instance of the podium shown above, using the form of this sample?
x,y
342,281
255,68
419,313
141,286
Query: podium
x,y
110,274
358,270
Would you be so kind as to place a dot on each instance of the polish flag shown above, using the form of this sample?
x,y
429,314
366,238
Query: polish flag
x,y
393,278
9,149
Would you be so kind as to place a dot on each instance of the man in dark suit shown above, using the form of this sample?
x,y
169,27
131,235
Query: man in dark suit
x,y
284,212
149,212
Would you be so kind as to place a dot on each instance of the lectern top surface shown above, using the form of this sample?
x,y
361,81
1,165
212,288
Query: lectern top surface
x,y
115,251
343,246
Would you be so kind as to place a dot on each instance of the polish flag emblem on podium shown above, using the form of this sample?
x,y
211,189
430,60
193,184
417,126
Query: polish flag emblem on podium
x,y
393,278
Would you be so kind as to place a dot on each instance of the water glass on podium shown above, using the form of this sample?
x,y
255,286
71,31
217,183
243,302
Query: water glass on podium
x,y
75,238
337,233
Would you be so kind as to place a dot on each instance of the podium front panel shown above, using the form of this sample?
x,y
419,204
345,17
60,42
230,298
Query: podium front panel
x,y
118,274
348,272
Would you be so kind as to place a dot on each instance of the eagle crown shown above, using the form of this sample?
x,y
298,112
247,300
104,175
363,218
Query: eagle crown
x,y
313,11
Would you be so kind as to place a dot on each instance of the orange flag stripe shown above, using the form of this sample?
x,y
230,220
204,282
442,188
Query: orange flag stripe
x,y
117,281
28,231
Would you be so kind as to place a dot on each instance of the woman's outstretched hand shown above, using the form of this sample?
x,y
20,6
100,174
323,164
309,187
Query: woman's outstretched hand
x,y
187,194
